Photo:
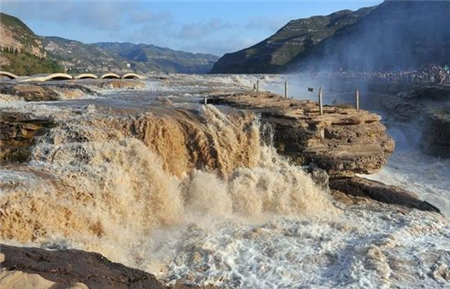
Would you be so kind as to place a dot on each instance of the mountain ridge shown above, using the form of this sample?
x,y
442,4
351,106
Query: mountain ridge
x,y
395,35
23,52
295,38
149,56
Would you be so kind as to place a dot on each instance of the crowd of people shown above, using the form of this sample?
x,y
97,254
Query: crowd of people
x,y
429,74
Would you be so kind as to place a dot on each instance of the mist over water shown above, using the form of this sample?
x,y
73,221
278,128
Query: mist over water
x,y
396,35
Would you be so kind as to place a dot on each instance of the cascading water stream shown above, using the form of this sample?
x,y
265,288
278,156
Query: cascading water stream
x,y
106,184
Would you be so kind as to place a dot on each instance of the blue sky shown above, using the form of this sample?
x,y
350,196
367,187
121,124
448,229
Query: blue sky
x,y
215,27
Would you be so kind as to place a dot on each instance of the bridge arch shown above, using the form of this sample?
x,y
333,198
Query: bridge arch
x,y
131,75
8,75
46,77
58,76
85,76
110,75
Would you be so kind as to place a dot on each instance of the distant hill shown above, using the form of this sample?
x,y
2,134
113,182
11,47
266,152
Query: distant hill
x,y
79,57
24,53
295,39
121,57
144,57
21,51
393,35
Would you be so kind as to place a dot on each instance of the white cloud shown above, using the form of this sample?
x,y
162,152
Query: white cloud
x,y
199,30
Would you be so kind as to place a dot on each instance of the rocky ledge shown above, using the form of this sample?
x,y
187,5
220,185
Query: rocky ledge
x,y
39,268
32,268
360,187
335,146
343,141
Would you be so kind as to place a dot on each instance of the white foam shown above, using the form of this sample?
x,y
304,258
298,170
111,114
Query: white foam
x,y
427,176
361,249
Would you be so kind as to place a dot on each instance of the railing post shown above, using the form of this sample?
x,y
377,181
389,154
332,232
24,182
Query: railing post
x,y
205,100
320,101
286,92
257,87
357,99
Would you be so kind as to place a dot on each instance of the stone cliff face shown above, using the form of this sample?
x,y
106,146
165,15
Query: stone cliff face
x,y
17,37
22,51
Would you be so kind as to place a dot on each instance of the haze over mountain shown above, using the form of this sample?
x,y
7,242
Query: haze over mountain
x,y
147,57
23,52
393,35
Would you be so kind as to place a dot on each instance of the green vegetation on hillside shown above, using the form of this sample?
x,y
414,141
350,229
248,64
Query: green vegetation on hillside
x,y
26,57
28,64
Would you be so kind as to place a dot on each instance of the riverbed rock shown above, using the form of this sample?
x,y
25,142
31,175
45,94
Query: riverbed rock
x,y
343,140
437,132
17,134
319,176
70,269
48,91
361,187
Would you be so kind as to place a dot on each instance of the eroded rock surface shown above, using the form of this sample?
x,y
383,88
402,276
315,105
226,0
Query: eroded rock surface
x,y
70,268
378,191
17,134
36,268
343,140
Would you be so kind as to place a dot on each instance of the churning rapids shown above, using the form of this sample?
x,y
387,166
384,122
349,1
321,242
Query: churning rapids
x,y
154,180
